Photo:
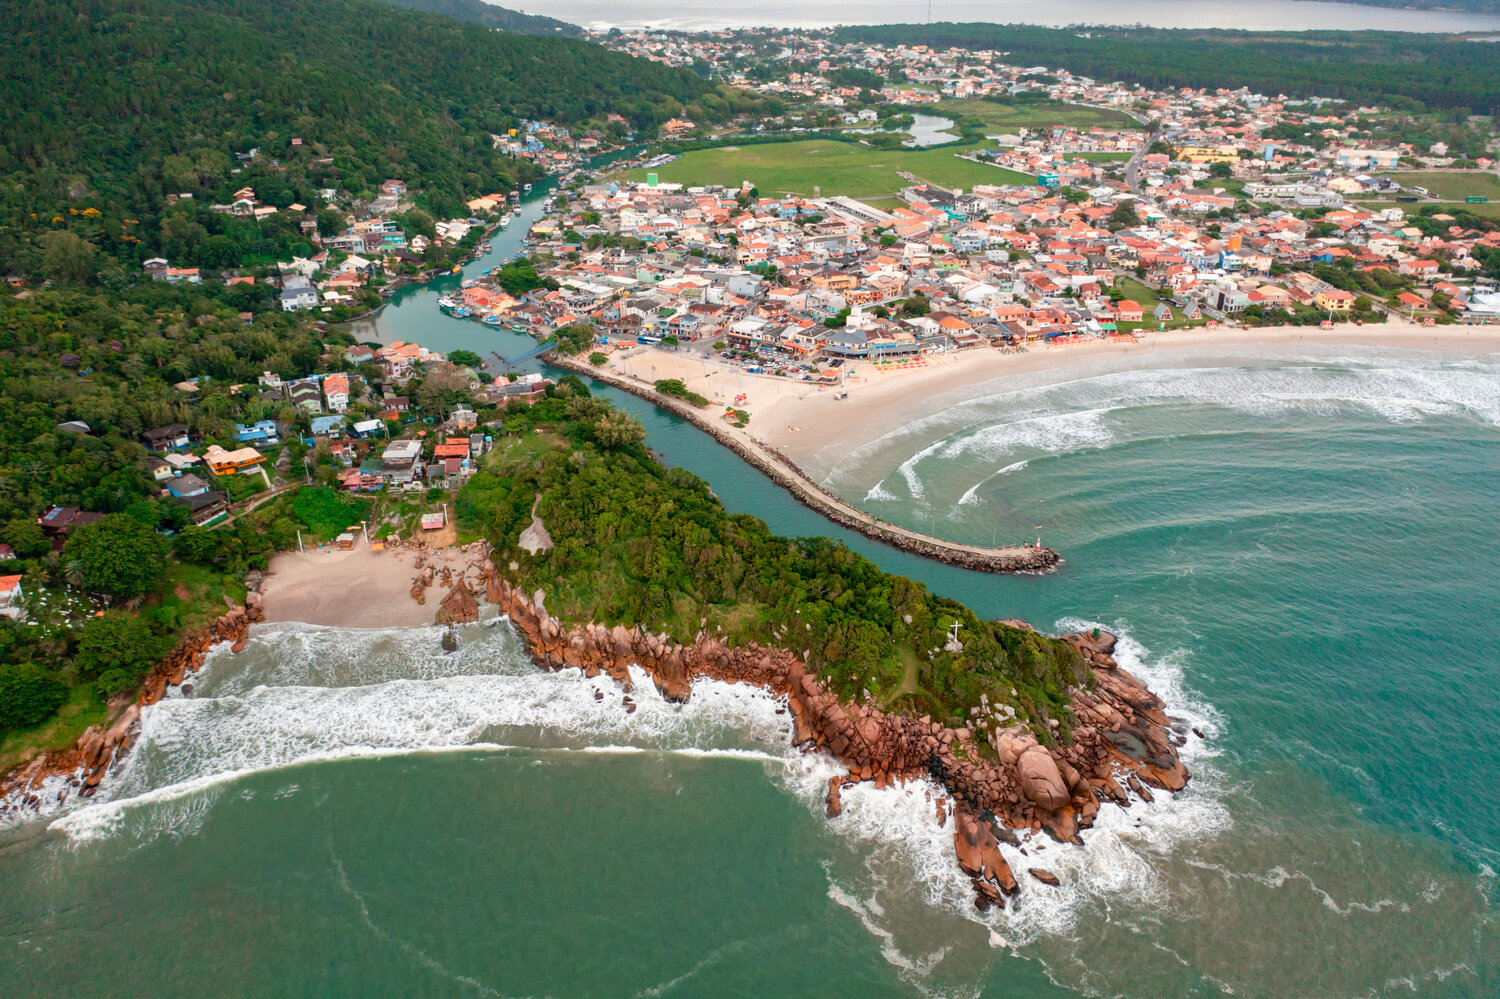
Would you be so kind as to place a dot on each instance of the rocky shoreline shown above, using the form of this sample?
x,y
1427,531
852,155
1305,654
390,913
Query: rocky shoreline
x,y
84,764
994,785
1021,559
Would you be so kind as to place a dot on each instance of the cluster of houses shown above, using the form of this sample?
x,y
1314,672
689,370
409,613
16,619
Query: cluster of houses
x,y
816,279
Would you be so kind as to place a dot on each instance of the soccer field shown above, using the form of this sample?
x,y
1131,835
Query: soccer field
x,y
831,167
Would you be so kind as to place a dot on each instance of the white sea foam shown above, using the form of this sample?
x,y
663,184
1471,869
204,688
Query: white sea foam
x,y
193,746
1090,411
1119,863
192,749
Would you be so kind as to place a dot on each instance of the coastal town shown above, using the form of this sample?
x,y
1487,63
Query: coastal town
x,y
1042,211
1001,504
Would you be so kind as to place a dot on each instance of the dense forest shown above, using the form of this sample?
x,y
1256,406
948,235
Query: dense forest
x,y
1389,68
111,105
490,16
640,543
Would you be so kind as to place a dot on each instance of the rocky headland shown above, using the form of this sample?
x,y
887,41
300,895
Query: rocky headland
x,y
996,782
85,763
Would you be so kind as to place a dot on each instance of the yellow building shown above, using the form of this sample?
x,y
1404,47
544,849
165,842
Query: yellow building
x,y
1335,300
1208,154
229,462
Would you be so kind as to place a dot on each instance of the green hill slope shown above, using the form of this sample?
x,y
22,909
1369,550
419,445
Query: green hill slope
x,y
490,16
112,105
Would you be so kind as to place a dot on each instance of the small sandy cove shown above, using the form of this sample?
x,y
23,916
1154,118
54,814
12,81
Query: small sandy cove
x,y
802,420
361,588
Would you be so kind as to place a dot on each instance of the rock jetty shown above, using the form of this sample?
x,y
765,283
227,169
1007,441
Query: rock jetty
x,y
1122,734
785,473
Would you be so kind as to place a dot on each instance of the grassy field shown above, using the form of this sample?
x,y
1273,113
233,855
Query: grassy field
x,y
1490,209
832,167
1008,117
1453,186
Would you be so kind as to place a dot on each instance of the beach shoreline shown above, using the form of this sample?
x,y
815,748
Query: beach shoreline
x,y
808,423
363,587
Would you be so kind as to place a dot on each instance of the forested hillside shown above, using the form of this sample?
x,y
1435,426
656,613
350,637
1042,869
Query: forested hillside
x,y
638,543
109,105
1369,66
499,18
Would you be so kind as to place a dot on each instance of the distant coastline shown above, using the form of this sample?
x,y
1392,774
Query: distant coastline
x,y
1264,15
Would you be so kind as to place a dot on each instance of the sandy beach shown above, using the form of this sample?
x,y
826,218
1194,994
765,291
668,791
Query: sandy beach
x,y
360,588
803,420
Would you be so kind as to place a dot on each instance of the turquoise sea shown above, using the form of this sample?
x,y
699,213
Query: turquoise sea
x,y
1300,551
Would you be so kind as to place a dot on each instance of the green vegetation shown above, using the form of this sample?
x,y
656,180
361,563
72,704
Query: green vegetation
x,y
1012,113
112,360
29,695
674,387
1396,69
490,16
638,543
117,650
1453,185
833,167
370,92
118,555
328,513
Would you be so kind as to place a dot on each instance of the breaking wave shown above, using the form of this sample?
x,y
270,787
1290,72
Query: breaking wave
x,y
299,696
1098,410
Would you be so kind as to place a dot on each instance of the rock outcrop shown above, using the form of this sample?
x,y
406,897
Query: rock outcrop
x,y
459,606
85,763
1122,732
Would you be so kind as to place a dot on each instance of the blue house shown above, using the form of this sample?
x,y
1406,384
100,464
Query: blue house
x,y
263,432
327,426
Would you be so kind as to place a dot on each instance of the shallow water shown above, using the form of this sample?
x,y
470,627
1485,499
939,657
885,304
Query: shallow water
x,y
1299,551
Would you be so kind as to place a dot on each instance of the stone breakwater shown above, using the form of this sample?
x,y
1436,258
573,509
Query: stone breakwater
x,y
1122,739
787,475
84,764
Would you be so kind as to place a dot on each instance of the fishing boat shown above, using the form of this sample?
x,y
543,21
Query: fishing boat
x,y
492,320
462,312
447,304
526,188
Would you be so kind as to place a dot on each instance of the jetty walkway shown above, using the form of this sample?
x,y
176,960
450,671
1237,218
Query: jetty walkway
x,y
785,473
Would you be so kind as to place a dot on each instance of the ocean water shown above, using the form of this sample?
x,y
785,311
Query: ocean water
x,y
1300,551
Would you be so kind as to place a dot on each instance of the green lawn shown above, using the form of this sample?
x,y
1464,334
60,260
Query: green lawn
x,y
1009,117
1453,186
832,167
1146,298
1490,209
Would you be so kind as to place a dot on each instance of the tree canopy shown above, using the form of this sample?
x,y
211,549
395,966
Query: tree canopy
x,y
118,554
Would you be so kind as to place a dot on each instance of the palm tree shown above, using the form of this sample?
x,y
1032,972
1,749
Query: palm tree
x,y
73,572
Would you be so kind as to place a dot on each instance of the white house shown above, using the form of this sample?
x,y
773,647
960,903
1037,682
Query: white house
x,y
11,598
